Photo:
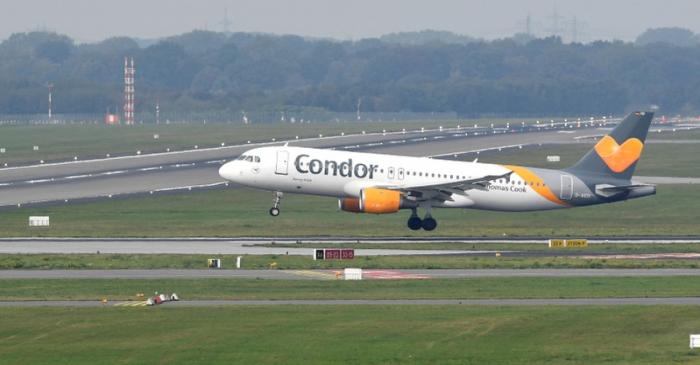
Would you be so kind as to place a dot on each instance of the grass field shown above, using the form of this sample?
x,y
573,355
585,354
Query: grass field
x,y
57,142
243,212
123,261
239,289
350,335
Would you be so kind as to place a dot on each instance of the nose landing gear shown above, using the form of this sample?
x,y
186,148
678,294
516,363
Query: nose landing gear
x,y
275,210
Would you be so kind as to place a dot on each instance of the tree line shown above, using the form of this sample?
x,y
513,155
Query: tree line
x,y
208,71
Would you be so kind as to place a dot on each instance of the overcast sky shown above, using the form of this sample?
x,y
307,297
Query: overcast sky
x,y
94,20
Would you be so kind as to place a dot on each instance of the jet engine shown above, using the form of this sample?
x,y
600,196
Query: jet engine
x,y
373,200
349,205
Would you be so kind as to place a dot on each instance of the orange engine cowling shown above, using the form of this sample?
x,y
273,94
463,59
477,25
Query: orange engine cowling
x,y
372,200
379,201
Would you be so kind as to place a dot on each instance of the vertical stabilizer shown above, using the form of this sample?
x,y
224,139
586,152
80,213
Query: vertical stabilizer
x,y
616,154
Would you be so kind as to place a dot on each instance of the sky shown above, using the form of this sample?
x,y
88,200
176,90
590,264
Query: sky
x,y
95,20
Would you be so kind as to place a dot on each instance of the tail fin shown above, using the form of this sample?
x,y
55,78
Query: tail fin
x,y
617,153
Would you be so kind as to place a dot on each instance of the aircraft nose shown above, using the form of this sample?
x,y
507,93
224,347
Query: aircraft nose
x,y
228,170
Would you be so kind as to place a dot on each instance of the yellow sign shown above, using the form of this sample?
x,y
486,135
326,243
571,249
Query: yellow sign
x,y
557,243
575,243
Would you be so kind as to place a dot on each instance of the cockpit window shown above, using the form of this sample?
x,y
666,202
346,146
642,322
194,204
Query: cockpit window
x,y
241,157
257,159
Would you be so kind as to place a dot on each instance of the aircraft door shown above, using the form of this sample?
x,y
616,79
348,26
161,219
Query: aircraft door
x,y
567,187
390,173
282,163
401,173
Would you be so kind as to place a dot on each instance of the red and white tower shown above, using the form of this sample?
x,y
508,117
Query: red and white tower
x,y
129,72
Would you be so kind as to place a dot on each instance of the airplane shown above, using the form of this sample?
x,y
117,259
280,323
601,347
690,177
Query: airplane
x,y
382,184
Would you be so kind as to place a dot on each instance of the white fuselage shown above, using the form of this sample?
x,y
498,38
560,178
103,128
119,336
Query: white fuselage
x,y
344,174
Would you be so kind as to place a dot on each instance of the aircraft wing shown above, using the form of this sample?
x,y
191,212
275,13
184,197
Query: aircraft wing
x,y
444,191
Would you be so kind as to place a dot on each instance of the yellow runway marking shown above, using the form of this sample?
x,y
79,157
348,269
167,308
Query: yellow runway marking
x,y
314,274
131,304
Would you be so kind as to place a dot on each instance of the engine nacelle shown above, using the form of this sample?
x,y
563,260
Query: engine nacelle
x,y
372,200
379,201
349,205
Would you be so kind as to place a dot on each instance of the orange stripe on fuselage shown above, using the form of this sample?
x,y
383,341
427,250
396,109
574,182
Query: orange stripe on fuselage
x,y
538,184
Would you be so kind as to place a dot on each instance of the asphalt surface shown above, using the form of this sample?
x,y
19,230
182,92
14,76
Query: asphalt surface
x,y
184,170
252,246
122,176
330,274
471,302
135,162
238,247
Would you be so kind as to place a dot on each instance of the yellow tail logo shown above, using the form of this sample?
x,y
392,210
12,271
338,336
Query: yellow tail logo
x,y
619,157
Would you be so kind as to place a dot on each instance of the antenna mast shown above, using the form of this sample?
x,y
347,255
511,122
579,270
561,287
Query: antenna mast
x,y
50,86
129,91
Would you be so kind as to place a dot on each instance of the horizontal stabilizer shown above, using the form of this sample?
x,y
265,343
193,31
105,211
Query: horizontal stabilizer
x,y
608,191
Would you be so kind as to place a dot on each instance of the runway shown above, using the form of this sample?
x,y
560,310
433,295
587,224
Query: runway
x,y
253,245
122,176
370,274
209,247
186,170
387,302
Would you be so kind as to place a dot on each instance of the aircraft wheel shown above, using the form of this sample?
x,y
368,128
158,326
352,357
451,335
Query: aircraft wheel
x,y
415,223
429,224
274,212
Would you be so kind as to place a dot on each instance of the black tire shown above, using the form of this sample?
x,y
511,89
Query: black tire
x,y
274,212
429,224
414,223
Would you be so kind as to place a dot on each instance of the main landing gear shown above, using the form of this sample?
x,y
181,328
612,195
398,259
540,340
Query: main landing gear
x,y
275,210
415,223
